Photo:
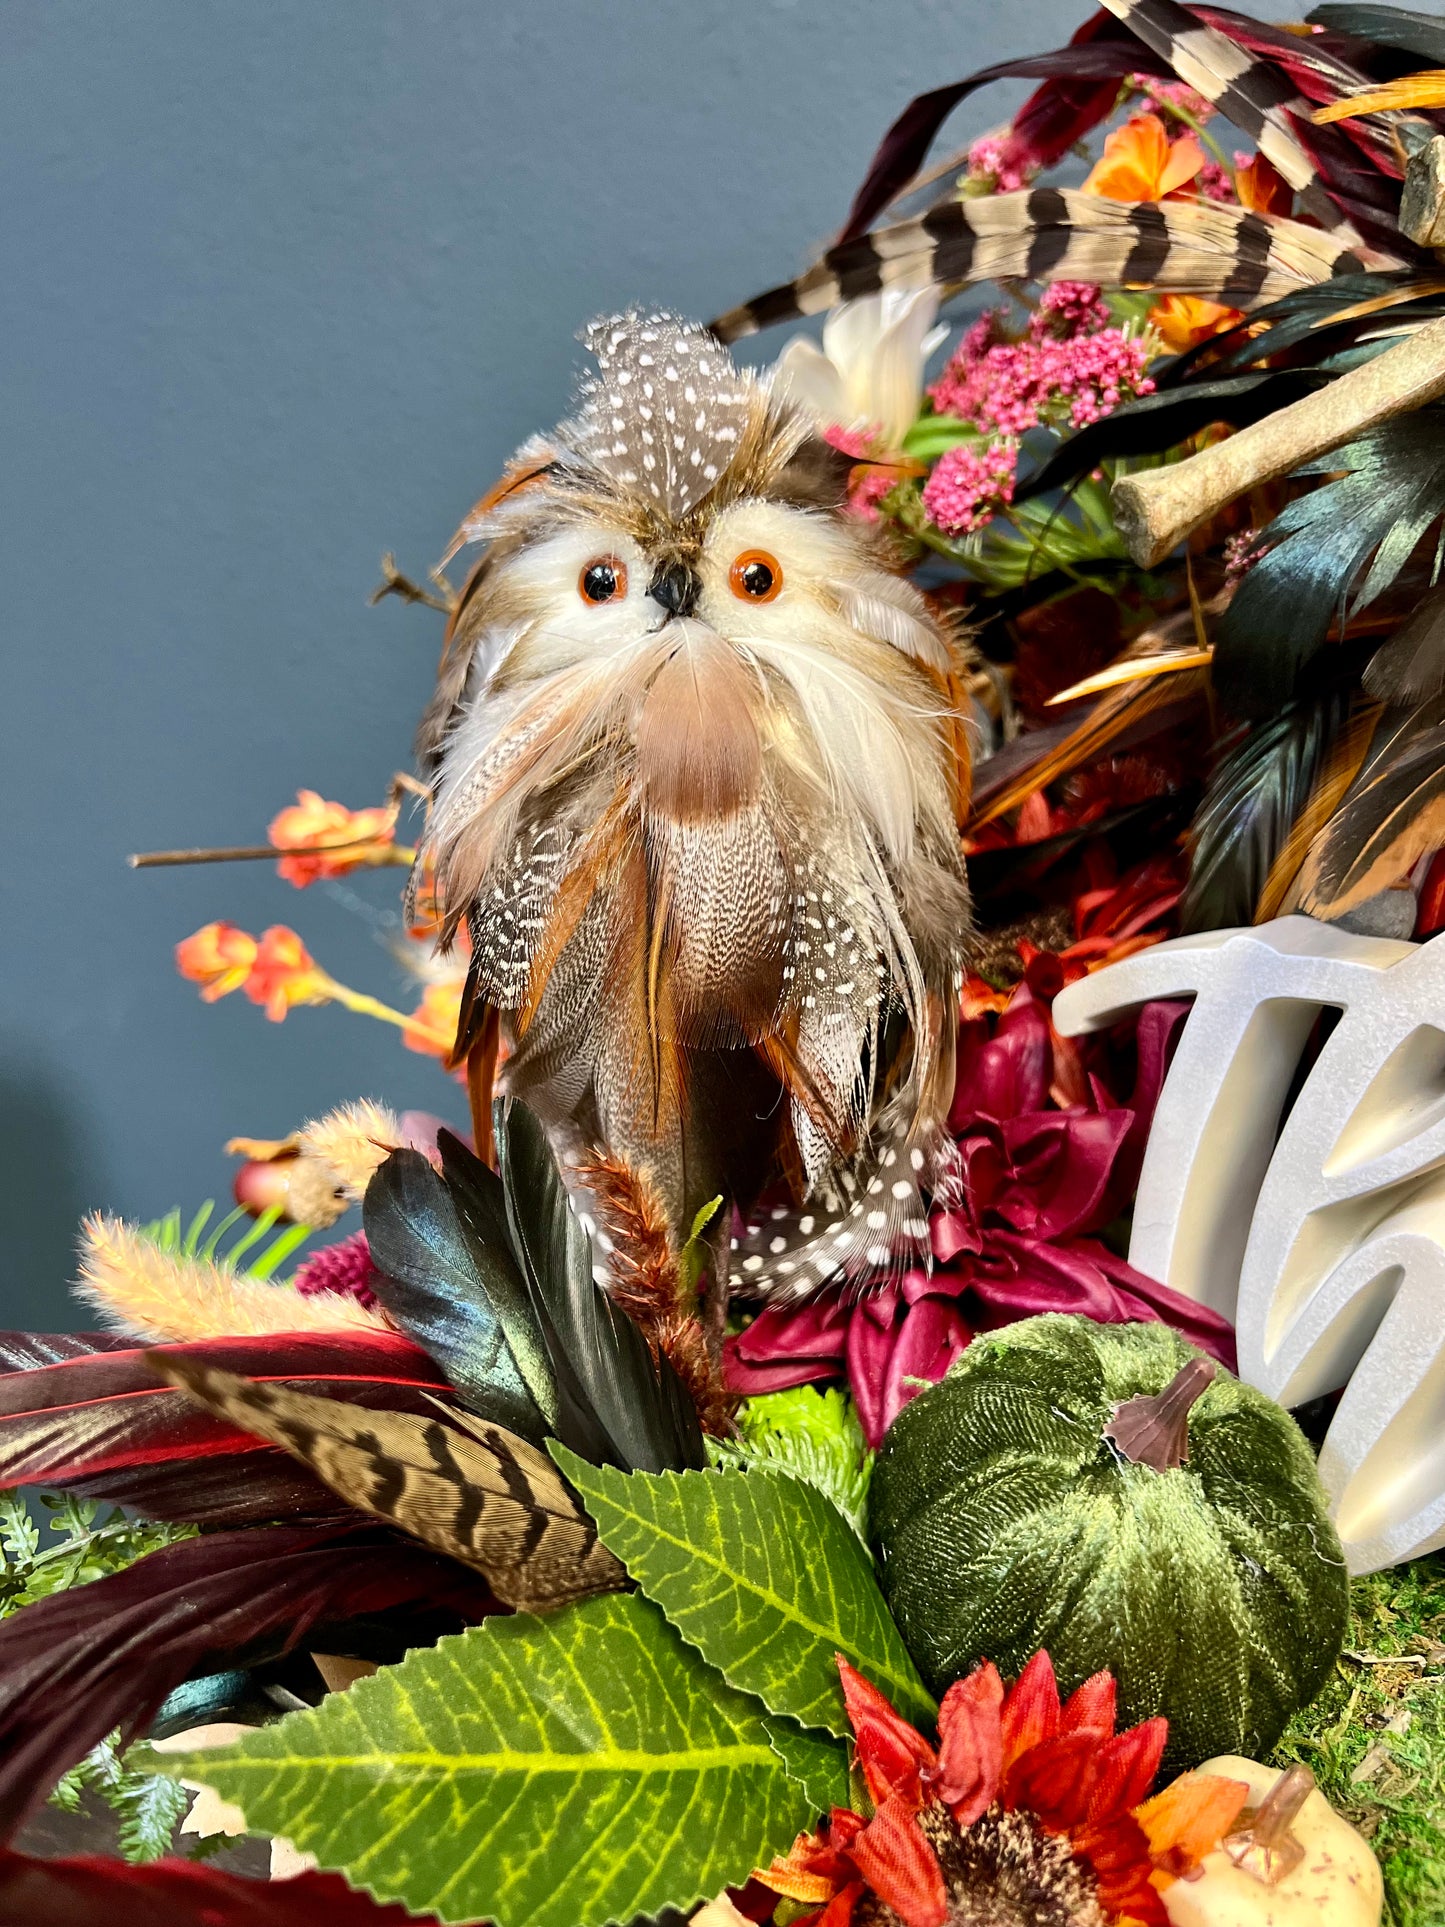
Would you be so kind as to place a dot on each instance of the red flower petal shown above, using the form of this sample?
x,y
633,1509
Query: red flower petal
x,y
1127,1766
1031,1708
839,1910
844,1827
900,1866
1054,1780
970,1744
1091,1708
1118,1853
890,1751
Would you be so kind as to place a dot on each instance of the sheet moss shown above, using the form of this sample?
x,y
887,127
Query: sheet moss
x,y
1375,1737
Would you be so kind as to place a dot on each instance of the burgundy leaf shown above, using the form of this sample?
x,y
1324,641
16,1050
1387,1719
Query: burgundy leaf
x,y
1063,111
78,1664
89,1891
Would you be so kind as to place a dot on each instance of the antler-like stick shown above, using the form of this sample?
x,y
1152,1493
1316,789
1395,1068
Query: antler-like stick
x,y
1156,510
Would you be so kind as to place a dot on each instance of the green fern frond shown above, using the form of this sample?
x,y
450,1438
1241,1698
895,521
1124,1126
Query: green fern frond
x,y
91,1541
813,1434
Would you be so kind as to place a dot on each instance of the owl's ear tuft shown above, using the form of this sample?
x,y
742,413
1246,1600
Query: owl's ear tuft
x,y
533,462
815,477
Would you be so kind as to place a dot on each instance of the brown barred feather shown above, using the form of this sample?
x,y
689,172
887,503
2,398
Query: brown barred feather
x,y
461,1485
1059,234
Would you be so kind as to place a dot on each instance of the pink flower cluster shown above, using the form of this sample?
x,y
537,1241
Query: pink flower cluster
x,y
1013,386
1214,182
999,164
1173,93
1071,308
967,486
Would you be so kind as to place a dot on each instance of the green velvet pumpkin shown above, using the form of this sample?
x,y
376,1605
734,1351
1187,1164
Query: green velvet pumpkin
x,y
1003,1520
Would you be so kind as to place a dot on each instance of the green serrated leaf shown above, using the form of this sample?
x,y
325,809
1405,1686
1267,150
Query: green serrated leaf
x,y
763,1575
819,1766
557,1772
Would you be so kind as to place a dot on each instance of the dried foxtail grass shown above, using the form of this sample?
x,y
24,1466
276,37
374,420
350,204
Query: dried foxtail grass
x,y
156,1295
352,1142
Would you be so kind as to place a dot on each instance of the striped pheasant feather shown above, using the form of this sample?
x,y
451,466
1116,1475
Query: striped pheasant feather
x,y
463,1486
1059,234
1248,93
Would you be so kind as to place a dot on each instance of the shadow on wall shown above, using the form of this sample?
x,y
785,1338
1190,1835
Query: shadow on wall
x,y
47,1181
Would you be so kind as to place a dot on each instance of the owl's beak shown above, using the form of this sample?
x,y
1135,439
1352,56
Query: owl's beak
x,y
677,588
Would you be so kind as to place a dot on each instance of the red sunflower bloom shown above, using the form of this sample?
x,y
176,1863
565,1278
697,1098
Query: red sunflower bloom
x,y
1025,1815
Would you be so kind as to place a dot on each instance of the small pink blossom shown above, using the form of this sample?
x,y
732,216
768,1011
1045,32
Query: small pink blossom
x,y
1173,93
859,443
866,489
967,487
1070,308
1241,552
999,164
1214,182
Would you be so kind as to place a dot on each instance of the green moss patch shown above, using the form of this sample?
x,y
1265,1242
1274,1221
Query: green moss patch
x,y
1375,1737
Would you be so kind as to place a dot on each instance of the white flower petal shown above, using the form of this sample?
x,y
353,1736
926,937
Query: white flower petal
x,y
805,376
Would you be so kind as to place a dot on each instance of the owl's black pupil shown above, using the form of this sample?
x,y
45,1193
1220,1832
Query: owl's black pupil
x,y
600,582
757,578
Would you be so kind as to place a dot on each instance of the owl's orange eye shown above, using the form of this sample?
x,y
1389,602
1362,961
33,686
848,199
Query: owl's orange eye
x,y
604,580
756,576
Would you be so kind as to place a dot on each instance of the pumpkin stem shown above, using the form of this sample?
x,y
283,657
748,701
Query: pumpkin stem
x,y
1261,1843
1153,1429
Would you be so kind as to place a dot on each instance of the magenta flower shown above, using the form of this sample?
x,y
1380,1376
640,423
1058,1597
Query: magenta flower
x,y
1017,1235
345,1267
1174,93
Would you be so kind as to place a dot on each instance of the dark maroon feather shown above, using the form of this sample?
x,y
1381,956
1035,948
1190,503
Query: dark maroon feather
x,y
1062,112
241,1489
89,1891
104,1425
78,1664
27,1351
1105,54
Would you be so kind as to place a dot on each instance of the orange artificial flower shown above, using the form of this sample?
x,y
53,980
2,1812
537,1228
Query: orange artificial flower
x,y
218,957
285,974
278,971
1262,188
1047,1784
432,1026
1141,163
1183,320
350,839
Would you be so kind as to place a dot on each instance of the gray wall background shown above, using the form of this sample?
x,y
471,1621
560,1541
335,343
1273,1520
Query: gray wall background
x,y
281,285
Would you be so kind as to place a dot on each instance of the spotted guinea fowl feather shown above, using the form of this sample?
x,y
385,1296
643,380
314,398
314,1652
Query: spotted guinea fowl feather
x,y
461,1485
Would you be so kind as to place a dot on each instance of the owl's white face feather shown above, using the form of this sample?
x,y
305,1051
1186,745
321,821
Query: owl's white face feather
x,y
696,752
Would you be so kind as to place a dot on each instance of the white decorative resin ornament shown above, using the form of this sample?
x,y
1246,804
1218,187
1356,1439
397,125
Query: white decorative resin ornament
x,y
1322,1237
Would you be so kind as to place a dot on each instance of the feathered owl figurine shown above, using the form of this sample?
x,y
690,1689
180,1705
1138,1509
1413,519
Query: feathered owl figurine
x,y
698,763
